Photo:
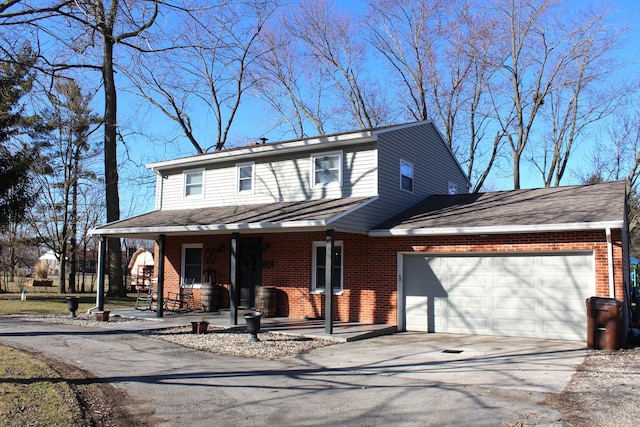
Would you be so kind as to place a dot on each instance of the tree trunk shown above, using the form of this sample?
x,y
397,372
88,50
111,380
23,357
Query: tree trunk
x,y
116,287
63,268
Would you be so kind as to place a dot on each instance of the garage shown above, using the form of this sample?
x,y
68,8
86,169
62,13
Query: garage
x,y
539,295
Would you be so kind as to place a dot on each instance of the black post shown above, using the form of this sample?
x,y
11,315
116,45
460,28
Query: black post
x,y
100,273
328,284
160,297
233,279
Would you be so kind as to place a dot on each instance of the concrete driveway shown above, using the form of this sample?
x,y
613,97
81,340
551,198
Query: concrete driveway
x,y
403,379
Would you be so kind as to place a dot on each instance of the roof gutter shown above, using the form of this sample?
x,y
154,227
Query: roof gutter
x,y
211,228
509,229
260,150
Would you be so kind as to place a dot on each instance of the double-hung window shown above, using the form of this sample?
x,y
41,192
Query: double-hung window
x,y
245,174
193,183
406,175
320,267
326,168
191,263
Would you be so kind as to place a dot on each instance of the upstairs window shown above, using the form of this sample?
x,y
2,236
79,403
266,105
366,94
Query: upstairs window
x,y
406,176
245,173
320,267
193,183
326,168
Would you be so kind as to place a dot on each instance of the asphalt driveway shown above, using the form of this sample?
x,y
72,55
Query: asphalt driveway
x,y
402,379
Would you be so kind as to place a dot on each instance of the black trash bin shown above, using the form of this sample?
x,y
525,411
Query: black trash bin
x,y
603,323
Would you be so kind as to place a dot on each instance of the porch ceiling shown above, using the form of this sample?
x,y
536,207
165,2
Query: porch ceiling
x,y
283,216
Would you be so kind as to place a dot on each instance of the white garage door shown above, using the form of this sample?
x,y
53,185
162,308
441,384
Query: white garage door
x,y
540,296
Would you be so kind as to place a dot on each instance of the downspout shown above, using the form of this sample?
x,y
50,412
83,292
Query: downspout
x,y
612,288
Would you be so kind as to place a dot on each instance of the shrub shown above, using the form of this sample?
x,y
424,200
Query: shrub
x,y
42,270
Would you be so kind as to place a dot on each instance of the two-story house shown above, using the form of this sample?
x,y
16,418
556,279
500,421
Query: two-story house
x,y
410,246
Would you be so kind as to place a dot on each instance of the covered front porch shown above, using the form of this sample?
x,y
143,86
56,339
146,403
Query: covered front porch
x,y
241,249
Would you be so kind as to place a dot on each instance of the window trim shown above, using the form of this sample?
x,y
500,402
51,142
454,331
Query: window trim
x,y
186,246
253,178
314,266
184,183
412,177
313,169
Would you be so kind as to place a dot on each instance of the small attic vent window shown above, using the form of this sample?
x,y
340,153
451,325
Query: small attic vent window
x,y
453,189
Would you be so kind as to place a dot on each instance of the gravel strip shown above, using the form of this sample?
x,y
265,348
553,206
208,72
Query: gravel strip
x,y
230,342
603,392
81,319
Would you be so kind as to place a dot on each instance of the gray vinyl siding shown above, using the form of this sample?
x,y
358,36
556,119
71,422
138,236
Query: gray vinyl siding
x,y
280,178
434,165
433,168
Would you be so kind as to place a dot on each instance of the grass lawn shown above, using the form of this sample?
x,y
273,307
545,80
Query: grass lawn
x,y
33,393
49,301
55,303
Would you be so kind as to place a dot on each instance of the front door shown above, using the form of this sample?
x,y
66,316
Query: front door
x,y
249,269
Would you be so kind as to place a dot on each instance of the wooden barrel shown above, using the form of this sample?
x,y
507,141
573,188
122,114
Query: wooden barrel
x,y
266,300
209,297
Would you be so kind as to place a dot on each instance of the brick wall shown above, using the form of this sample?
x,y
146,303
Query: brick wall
x,y
370,266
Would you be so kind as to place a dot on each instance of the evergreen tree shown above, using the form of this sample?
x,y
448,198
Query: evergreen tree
x,y
16,193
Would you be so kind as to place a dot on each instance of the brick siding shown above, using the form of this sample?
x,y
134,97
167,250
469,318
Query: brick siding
x,y
370,266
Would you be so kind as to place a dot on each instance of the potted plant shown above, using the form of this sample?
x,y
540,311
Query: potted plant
x,y
199,327
102,316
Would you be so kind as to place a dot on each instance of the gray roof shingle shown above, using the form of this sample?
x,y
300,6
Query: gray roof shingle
x,y
559,205
227,217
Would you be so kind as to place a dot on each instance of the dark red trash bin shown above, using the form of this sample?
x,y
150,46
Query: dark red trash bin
x,y
603,322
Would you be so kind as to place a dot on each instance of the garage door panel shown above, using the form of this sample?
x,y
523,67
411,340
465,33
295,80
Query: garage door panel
x,y
560,304
571,284
525,282
557,330
539,295
467,324
514,303
516,261
525,328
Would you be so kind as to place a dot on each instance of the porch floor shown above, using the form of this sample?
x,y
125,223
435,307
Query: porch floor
x,y
342,331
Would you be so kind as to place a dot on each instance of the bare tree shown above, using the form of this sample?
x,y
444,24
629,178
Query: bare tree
x,y
63,172
82,28
208,67
407,33
294,90
331,40
544,48
588,97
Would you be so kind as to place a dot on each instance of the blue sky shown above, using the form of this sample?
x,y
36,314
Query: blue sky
x,y
137,187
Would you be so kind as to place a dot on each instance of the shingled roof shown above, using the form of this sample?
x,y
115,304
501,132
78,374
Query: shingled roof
x,y
573,207
277,216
